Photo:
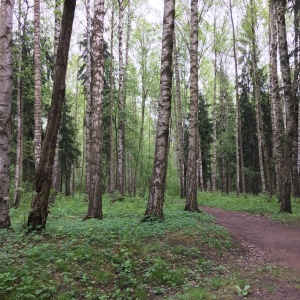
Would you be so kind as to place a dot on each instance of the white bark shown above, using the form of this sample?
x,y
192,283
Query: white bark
x,y
6,68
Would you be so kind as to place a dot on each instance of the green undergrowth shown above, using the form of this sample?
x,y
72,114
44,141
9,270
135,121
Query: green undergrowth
x,y
185,256
261,204
119,257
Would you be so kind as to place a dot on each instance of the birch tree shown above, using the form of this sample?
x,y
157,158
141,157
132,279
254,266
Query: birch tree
x,y
88,98
158,178
191,177
95,189
291,125
121,109
37,85
6,70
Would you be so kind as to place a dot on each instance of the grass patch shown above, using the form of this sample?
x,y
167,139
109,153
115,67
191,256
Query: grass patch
x,y
186,256
261,205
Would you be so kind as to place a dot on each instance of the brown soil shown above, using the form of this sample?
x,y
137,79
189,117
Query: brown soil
x,y
265,244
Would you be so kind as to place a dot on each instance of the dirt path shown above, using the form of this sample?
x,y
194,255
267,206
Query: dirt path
x,y
266,240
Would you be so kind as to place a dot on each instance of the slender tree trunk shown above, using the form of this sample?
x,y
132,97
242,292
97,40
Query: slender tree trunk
x,y
111,181
295,171
214,117
182,157
95,190
158,178
285,182
191,177
237,106
20,114
121,109
88,99
56,173
199,165
277,121
39,206
6,70
262,146
37,86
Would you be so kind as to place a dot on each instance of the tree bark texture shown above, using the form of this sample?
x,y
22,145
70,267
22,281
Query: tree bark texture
x,y
111,178
214,117
191,177
6,81
291,126
296,155
182,156
277,120
158,178
56,174
39,206
37,85
88,99
20,114
95,190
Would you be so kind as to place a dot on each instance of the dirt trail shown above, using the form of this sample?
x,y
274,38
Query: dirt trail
x,y
268,241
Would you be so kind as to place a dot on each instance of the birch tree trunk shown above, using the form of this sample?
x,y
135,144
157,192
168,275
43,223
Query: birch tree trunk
x,y
291,125
6,70
39,206
88,98
95,189
264,162
214,117
111,178
121,109
191,177
295,172
56,173
277,121
158,178
37,86
182,157
237,106
20,114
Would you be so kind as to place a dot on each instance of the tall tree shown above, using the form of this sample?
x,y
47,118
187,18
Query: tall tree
x,y
265,169
95,189
37,85
39,206
20,107
88,98
182,156
214,117
158,178
55,175
296,148
121,108
191,177
6,70
238,142
277,121
291,124
111,178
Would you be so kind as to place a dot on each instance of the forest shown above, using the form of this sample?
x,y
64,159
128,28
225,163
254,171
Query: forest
x,y
142,111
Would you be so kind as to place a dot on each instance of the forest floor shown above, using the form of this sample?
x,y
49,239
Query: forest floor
x,y
263,241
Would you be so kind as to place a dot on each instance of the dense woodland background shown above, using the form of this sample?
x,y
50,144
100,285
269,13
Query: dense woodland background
x,y
246,109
